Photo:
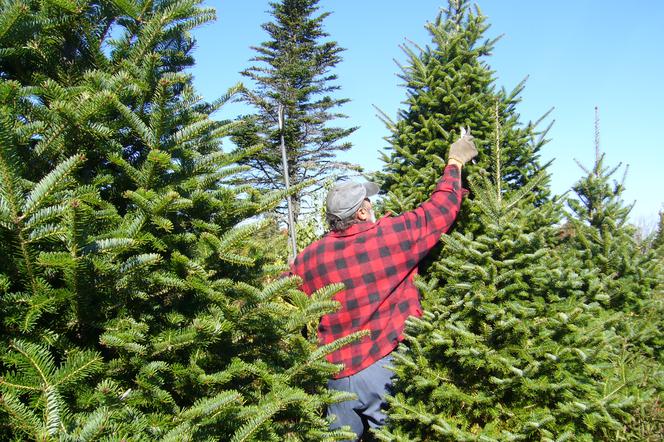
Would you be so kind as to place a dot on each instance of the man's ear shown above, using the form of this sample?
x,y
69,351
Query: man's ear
x,y
362,214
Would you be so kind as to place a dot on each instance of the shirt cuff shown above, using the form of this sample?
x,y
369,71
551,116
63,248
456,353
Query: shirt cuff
x,y
452,175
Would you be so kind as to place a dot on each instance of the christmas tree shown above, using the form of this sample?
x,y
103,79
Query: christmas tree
x,y
515,342
509,346
627,276
130,289
658,240
598,229
449,85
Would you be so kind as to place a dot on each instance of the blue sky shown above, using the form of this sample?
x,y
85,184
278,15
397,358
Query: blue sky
x,y
577,55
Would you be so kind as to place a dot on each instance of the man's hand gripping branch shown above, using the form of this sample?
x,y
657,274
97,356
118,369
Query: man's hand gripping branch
x,y
463,149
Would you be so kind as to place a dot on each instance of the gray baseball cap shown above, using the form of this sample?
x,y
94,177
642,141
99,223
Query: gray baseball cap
x,y
344,199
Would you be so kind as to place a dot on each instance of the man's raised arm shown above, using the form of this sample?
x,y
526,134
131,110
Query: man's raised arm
x,y
423,226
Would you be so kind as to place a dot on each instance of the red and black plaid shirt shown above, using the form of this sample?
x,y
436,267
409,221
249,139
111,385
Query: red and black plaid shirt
x,y
377,263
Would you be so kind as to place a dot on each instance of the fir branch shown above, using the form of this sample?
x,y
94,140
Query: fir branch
x,y
50,183
36,359
53,411
20,415
78,366
211,407
143,131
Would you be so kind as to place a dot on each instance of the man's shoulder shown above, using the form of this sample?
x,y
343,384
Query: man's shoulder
x,y
314,247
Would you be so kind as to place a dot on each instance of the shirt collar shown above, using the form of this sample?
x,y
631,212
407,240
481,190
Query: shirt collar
x,y
354,229
359,227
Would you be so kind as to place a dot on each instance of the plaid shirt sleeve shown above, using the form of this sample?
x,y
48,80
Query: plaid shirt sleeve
x,y
376,262
424,225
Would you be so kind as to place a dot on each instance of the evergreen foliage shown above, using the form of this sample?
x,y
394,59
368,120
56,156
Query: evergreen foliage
x,y
130,289
599,228
449,85
599,232
516,342
658,241
52,39
509,347
138,290
294,69
628,277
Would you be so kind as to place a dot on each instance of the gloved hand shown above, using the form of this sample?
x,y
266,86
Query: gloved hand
x,y
463,149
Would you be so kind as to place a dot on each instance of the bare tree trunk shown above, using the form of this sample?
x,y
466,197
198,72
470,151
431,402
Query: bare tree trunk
x,y
296,204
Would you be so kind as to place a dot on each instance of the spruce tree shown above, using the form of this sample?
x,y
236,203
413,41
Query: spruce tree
x,y
294,69
132,302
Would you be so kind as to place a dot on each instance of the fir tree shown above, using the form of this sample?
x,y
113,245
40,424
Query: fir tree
x,y
59,39
599,232
626,276
294,70
658,241
509,347
448,85
131,299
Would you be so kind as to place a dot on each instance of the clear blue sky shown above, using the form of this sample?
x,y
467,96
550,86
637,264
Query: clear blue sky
x,y
577,54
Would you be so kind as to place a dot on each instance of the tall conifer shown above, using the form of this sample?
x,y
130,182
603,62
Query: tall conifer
x,y
132,305
626,276
600,232
658,241
509,347
513,344
448,85
294,70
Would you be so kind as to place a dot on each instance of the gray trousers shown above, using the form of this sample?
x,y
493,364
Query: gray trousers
x,y
370,385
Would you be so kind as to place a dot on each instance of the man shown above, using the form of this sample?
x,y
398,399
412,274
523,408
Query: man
x,y
376,262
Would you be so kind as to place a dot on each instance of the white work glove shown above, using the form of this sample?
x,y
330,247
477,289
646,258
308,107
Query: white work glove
x,y
463,149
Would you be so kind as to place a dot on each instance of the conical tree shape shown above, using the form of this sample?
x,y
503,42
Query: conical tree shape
x,y
658,242
629,274
448,85
599,228
509,348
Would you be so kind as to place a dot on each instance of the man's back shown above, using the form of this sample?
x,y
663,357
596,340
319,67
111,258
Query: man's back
x,y
376,262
